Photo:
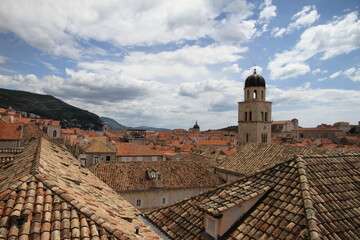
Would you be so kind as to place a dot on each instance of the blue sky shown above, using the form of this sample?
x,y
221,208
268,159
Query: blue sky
x,y
170,63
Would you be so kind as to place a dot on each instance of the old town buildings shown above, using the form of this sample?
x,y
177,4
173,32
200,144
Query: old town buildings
x,y
269,180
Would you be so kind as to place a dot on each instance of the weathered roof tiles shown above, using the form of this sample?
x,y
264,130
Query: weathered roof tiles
x,y
306,197
46,194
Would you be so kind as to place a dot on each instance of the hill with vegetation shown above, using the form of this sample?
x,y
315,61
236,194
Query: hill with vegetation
x,y
49,107
230,128
112,123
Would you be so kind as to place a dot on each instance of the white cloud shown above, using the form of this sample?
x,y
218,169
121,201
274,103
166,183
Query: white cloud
x,y
306,17
50,66
268,11
234,30
231,69
337,37
187,63
122,23
334,75
351,73
250,71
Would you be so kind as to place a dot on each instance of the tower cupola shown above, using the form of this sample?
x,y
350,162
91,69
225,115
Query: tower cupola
x,y
255,80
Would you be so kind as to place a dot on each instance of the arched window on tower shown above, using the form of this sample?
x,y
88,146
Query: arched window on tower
x,y
247,137
262,116
247,94
246,116
250,116
255,94
262,94
266,117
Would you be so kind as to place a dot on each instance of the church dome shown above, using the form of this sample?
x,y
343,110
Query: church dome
x,y
255,80
196,125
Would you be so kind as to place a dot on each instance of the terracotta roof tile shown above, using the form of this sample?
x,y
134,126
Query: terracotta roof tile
x,y
252,157
97,146
11,131
134,149
202,142
132,176
47,194
304,198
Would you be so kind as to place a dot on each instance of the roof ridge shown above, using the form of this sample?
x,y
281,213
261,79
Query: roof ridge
x,y
79,206
310,212
36,160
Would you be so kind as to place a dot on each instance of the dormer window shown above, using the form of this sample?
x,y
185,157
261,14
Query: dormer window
x,y
219,218
152,173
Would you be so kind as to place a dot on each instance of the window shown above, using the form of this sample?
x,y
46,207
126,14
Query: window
x,y
54,134
108,158
138,202
245,116
163,201
266,117
262,116
247,137
255,94
262,94
96,160
264,138
247,95
250,116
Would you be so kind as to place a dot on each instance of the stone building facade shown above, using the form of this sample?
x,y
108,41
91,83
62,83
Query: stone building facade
x,y
254,115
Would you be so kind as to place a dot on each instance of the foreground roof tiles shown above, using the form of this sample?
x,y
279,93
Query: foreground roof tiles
x,y
252,157
132,176
313,197
46,194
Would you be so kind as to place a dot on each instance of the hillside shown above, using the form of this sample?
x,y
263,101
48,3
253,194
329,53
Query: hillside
x,y
49,107
230,128
112,123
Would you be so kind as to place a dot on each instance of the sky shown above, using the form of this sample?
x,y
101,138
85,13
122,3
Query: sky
x,y
165,63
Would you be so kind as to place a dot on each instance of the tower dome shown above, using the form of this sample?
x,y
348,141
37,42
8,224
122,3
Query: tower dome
x,y
255,80
196,125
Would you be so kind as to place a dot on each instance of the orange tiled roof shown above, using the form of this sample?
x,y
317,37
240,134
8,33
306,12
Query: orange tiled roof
x,y
11,131
111,135
46,193
24,120
6,119
309,197
202,142
179,130
96,146
132,176
68,131
49,122
318,129
134,149
252,157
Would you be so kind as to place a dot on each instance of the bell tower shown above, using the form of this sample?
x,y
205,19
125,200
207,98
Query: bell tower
x,y
254,115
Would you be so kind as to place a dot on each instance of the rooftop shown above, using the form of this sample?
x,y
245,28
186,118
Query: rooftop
x,y
306,197
252,157
46,193
132,176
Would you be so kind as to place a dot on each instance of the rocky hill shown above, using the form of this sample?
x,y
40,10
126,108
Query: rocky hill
x,y
49,107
